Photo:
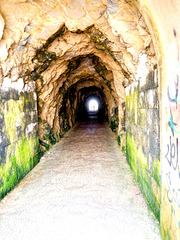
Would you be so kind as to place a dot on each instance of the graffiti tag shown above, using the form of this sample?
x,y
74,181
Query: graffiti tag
x,y
172,153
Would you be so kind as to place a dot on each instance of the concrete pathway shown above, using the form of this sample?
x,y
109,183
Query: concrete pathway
x,y
82,189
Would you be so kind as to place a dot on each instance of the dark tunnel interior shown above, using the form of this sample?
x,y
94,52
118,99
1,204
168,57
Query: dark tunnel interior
x,y
92,105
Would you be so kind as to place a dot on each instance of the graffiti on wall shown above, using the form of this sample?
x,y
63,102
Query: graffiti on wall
x,y
173,148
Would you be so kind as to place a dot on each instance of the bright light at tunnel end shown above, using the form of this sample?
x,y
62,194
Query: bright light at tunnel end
x,y
93,105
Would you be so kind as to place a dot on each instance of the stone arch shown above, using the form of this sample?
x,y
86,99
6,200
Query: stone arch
x,y
166,45
106,36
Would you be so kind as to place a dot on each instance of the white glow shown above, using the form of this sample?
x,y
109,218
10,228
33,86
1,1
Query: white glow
x,y
93,105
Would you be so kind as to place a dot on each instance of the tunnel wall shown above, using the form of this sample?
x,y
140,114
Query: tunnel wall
x,y
170,139
18,136
37,24
142,137
162,18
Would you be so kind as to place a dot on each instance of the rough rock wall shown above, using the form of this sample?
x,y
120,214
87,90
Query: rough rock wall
x,y
119,33
65,44
18,135
68,61
143,134
163,15
114,31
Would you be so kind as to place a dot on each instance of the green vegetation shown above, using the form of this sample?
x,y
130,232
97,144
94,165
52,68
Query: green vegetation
x,y
123,149
114,121
119,140
25,157
49,135
20,153
139,164
156,171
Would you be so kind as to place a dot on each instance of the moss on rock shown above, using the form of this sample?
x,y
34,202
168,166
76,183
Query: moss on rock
x,y
114,121
156,171
25,157
20,148
139,164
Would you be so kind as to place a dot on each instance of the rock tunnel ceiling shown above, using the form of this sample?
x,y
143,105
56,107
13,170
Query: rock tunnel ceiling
x,y
56,45
58,54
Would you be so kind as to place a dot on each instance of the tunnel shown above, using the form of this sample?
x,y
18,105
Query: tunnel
x,y
56,56
92,103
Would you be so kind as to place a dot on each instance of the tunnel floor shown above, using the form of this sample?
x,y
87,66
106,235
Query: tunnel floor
x,y
82,189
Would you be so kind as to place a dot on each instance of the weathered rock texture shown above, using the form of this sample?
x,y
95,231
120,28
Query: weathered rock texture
x,y
143,137
67,49
18,136
71,50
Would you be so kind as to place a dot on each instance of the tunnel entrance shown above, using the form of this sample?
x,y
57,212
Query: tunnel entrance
x,y
61,53
93,108
92,104
106,61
